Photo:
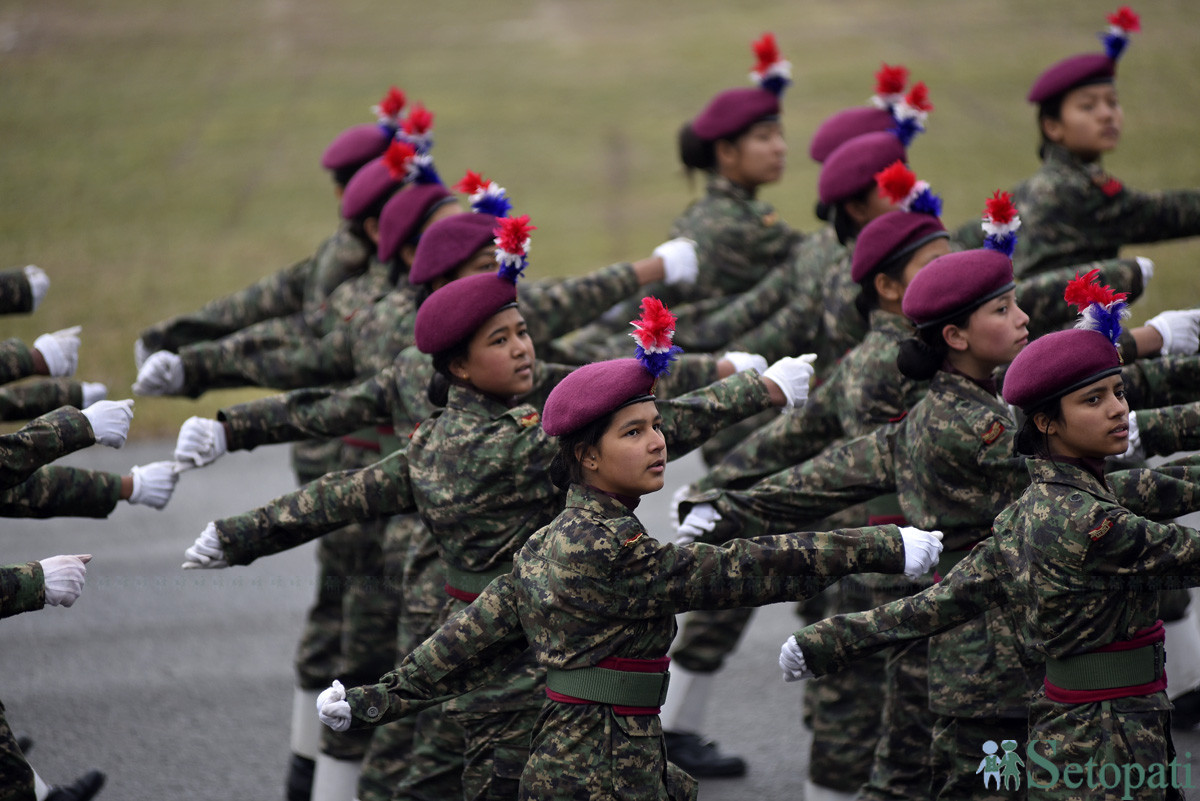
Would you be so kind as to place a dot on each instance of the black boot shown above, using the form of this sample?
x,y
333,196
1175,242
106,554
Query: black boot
x,y
700,757
299,779
82,789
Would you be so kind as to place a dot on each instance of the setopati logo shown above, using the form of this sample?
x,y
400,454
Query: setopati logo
x,y
1001,767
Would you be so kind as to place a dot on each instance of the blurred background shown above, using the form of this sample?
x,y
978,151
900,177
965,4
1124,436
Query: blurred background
x,y
155,155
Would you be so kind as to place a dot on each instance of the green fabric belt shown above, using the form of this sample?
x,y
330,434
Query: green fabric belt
x,y
475,582
1107,670
604,686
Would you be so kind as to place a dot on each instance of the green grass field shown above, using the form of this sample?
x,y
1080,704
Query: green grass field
x,y
155,155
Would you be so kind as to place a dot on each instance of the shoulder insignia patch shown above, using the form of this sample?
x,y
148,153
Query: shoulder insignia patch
x,y
530,420
1109,185
903,414
770,218
634,538
414,431
1102,529
993,433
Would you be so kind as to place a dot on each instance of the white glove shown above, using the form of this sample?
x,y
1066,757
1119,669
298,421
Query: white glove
x,y
700,520
921,550
39,282
140,353
93,391
60,350
1147,269
791,661
160,374
153,484
332,708
1135,449
677,497
201,441
110,421
206,551
793,374
746,361
63,577
679,261
1180,331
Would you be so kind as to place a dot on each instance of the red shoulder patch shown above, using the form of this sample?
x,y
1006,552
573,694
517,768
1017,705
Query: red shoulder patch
x,y
414,431
1102,529
995,430
903,414
530,420
634,538
1109,185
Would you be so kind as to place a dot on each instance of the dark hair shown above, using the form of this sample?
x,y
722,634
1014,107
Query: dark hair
x,y
844,225
565,468
342,175
1030,440
1048,109
822,210
922,356
893,267
439,385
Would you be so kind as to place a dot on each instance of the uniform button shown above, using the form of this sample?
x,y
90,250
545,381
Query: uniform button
x,y
373,712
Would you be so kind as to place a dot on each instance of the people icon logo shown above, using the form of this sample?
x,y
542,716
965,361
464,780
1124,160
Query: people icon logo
x,y
1001,767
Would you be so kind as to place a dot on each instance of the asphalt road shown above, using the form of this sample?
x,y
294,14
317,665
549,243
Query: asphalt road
x,y
178,684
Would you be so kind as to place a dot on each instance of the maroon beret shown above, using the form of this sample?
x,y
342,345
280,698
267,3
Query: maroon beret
x,y
734,110
957,282
592,391
448,243
454,312
356,145
891,236
852,165
1080,70
1058,363
373,182
844,126
404,213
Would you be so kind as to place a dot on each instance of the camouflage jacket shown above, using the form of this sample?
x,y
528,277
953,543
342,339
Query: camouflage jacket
x,y
1073,211
16,296
40,442
16,360
54,491
302,287
33,398
22,588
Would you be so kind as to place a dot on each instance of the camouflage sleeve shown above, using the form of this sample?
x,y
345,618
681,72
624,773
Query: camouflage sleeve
x,y
472,648
310,413
1164,492
55,491
555,308
40,442
319,507
16,296
277,295
1041,295
735,242
1169,430
22,589
33,398
1168,552
795,499
793,437
1149,216
795,329
1162,381
16,360
690,419
736,314
971,588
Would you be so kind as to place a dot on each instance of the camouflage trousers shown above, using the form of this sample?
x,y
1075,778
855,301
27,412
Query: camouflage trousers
x,y
900,769
1126,740
959,750
16,777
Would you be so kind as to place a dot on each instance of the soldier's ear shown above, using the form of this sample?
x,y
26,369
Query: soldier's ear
x,y
888,288
1045,424
955,338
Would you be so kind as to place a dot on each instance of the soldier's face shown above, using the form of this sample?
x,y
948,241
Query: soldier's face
x,y
1093,423
1090,123
499,360
996,332
758,157
631,457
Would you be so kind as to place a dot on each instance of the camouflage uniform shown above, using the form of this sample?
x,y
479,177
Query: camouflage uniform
x,y
16,360
16,296
22,589
32,398
1074,211
41,441
54,491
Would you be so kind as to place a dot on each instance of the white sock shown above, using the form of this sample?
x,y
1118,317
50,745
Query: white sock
x,y
1183,654
306,726
335,779
40,788
818,792
687,701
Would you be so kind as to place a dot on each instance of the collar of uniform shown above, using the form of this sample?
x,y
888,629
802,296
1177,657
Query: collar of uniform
x,y
966,388
1068,473
582,496
720,185
894,326
469,399
1058,155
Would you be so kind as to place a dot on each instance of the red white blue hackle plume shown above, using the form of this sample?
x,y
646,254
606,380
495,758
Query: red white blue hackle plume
x,y
772,72
889,86
910,113
1121,23
486,197
1100,309
512,246
1000,223
408,165
416,128
899,185
654,333
389,109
